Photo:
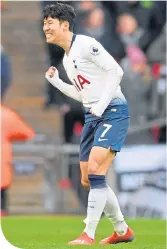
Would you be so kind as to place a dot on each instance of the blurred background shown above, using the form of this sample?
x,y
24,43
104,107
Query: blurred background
x,y
43,126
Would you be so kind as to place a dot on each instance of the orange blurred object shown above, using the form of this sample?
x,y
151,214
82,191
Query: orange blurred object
x,y
3,5
13,129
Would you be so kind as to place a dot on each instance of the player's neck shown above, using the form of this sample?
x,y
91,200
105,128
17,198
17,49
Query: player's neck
x,y
66,42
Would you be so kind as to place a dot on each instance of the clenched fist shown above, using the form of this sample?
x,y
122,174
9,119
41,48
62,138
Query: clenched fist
x,y
51,72
52,75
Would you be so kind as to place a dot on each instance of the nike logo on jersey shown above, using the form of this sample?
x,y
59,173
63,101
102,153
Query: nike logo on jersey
x,y
102,139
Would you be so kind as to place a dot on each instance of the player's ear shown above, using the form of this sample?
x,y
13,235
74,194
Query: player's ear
x,y
65,25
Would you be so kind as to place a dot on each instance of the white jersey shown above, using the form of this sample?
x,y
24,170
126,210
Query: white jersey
x,y
87,67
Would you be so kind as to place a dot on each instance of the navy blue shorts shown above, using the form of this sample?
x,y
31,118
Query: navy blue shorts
x,y
108,131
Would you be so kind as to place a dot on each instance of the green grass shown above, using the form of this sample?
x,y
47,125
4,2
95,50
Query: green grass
x,y
54,232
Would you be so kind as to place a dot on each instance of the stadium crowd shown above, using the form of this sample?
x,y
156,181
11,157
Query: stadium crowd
x,y
134,33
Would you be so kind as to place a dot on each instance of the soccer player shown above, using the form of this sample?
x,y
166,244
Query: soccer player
x,y
95,78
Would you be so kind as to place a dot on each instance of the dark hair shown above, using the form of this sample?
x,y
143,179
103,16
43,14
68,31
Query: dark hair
x,y
60,11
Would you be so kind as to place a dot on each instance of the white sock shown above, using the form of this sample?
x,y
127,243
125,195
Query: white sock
x,y
120,227
113,212
96,203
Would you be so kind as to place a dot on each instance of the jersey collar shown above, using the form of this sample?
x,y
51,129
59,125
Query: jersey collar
x,y
73,39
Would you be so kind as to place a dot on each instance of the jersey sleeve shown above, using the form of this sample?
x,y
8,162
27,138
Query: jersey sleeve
x,y
65,88
96,53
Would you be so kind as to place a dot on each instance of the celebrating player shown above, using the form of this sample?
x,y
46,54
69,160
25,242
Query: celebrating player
x,y
95,78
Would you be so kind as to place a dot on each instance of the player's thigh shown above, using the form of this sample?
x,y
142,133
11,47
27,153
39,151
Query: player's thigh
x,y
100,160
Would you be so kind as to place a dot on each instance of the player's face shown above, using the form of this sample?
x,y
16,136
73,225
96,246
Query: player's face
x,y
53,30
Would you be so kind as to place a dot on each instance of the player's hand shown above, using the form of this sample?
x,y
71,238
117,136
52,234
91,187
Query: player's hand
x,y
51,72
94,112
52,75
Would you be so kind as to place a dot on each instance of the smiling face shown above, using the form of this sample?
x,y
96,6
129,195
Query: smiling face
x,y
58,22
54,29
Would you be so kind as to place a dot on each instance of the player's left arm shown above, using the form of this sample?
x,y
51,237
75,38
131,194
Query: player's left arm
x,y
95,52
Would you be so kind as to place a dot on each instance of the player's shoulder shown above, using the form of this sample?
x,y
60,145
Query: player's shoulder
x,y
85,38
88,44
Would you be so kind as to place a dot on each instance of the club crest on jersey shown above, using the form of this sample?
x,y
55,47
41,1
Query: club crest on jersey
x,y
94,50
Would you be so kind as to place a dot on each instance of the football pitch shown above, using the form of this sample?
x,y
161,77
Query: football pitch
x,y
54,232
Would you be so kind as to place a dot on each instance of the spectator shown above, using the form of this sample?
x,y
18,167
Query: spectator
x,y
157,58
13,129
136,71
130,34
148,15
94,20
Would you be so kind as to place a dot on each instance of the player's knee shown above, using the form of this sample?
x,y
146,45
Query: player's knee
x,y
97,181
85,184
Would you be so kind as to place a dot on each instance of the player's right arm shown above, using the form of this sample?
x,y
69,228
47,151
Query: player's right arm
x,y
52,76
